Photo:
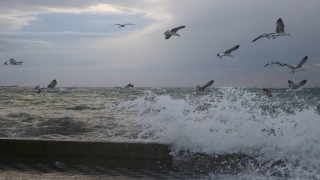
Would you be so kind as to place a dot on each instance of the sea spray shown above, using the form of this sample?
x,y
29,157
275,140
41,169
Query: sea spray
x,y
232,121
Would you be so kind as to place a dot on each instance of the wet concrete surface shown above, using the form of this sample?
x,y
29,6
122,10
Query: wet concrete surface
x,y
61,171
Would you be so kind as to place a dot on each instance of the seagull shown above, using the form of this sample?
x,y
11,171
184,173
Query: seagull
x,y
228,52
273,63
173,32
262,36
280,30
39,88
128,86
122,25
52,84
205,86
295,87
298,67
268,93
13,62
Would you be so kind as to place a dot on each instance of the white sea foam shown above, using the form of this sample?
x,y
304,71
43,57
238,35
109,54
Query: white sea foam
x,y
19,112
230,120
64,115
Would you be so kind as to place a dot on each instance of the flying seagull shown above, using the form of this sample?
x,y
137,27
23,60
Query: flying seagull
x,y
298,67
280,30
205,86
228,52
39,88
262,36
173,32
128,86
13,62
268,93
295,87
273,63
122,25
52,84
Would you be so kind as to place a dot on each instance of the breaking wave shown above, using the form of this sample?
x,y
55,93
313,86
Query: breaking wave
x,y
232,120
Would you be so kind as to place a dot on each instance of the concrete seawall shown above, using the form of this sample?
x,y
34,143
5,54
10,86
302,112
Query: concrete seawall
x,y
130,155
110,154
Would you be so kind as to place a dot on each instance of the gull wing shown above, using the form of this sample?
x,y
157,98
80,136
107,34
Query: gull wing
x,y
232,49
167,36
302,62
268,92
177,28
52,84
273,63
270,34
291,67
280,26
208,84
257,38
291,84
128,24
12,60
300,84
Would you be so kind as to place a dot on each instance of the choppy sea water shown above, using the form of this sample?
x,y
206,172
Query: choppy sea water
x,y
223,120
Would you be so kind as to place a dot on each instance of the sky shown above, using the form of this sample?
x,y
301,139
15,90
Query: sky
x,y
75,42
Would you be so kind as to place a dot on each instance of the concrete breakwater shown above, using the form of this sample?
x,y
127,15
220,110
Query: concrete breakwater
x,y
110,154
131,155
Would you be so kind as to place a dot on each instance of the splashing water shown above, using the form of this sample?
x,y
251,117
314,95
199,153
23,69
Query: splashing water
x,y
232,120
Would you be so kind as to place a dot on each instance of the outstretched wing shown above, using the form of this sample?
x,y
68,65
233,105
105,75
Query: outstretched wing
x,y
291,67
128,24
208,84
302,62
232,49
273,63
267,64
257,38
52,84
116,24
280,26
291,84
177,28
301,83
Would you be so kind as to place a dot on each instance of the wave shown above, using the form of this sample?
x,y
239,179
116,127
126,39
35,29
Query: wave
x,y
231,120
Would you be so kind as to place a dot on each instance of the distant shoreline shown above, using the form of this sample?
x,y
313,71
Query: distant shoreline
x,y
9,86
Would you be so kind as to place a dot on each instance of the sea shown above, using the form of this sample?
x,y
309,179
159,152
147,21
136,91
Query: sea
x,y
265,138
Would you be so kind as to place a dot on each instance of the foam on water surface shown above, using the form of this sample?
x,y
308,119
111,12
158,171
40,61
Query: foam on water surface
x,y
231,120
219,121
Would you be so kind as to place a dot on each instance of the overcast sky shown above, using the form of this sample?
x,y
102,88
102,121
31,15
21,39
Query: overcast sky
x,y
74,42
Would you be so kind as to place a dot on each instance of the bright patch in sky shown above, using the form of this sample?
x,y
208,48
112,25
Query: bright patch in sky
x,y
85,22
